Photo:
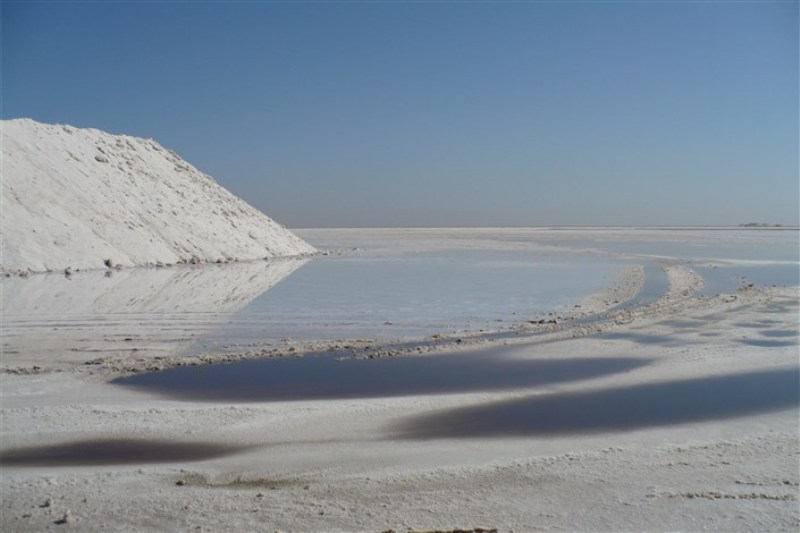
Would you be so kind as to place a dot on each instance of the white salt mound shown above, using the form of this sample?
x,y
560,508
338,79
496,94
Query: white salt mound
x,y
85,199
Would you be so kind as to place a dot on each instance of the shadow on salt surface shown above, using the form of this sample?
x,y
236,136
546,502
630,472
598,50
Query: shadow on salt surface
x,y
767,343
331,377
623,408
780,333
647,339
115,451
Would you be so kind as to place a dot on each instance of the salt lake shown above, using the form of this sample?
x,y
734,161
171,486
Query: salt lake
x,y
380,285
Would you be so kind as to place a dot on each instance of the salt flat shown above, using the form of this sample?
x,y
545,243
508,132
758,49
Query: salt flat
x,y
669,455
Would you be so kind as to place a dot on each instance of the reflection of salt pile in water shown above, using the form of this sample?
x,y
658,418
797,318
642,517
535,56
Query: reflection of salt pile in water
x,y
197,289
82,198
151,311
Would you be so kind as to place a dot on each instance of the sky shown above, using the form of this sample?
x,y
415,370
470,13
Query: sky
x,y
359,114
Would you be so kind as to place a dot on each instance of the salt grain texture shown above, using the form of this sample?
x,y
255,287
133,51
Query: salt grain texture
x,y
85,199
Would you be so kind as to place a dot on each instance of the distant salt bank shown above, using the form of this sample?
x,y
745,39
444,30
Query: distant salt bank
x,y
85,199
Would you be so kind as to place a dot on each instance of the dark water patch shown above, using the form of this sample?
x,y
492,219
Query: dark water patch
x,y
710,334
767,343
329,377
779,333
624,408
115,452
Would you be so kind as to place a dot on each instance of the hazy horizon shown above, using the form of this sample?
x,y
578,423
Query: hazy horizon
x,y
539,114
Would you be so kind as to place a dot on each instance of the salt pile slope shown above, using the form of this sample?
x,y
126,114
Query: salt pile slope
x,y
80,198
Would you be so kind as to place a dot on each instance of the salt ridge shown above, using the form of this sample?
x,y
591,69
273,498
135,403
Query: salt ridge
x,y
85,199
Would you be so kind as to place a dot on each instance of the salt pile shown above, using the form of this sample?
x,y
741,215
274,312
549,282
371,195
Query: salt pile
x,y
85,199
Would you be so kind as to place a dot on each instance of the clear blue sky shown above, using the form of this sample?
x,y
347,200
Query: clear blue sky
x,y
438,114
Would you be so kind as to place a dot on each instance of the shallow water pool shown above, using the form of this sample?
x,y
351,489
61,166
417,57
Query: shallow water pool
x,y
415,295
333,376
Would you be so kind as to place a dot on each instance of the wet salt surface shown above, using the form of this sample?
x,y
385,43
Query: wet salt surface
x,y
417,294
333,377
157,311
617,409
762,248
179,311
725,279
382,292
115,451
386,297
771,257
